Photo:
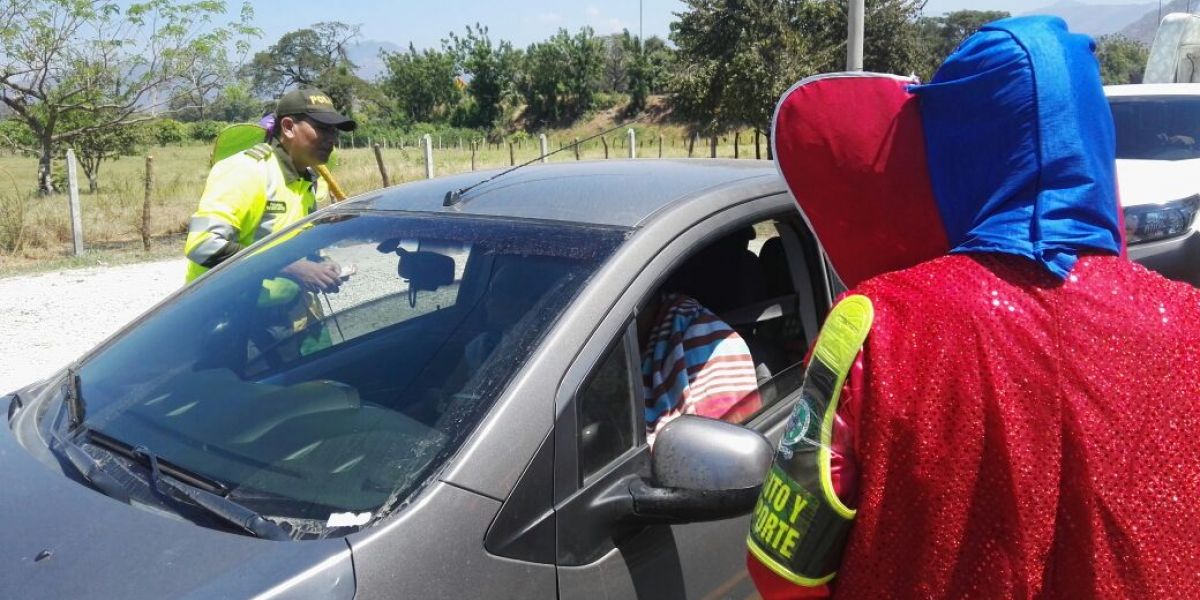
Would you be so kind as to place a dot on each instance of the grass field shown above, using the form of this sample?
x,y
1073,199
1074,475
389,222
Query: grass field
x,y
35,232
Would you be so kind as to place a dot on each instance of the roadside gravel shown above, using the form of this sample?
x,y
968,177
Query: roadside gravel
x,y
48,320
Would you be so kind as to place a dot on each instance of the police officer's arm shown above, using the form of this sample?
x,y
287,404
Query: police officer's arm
x,y
228,205
803,517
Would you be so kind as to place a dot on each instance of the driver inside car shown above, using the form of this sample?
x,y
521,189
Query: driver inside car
x,y
513,288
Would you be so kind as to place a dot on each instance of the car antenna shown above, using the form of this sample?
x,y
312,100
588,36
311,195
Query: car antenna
x,y
455,196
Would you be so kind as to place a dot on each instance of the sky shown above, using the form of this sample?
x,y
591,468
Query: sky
x,y
426,22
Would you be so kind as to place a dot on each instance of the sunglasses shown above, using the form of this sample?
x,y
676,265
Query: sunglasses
x,y
322,128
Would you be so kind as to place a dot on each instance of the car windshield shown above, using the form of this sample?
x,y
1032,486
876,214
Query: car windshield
x,y
309,403
1157,127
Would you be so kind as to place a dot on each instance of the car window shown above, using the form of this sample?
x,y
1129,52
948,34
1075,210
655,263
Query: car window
x,y
442,312
1157,128
367,305
371,298
721,337
606,418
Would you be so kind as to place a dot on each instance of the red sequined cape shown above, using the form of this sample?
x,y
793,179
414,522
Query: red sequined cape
x,y
1018,437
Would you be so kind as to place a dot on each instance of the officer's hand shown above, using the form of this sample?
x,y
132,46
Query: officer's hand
x,y
314,276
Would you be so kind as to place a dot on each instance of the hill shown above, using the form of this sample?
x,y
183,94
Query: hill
x,y
365,56
1098,19
1143,29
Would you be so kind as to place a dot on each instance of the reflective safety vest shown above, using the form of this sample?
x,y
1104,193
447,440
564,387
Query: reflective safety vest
x,y
247,197
800,525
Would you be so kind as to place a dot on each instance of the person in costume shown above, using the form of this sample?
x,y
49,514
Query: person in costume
x,y
1003,405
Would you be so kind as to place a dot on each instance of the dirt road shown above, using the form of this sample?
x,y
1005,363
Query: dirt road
x,y
48,320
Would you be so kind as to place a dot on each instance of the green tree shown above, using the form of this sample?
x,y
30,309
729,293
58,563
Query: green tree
x,y
646,68
561,76
660,58
99,144
166,132
202,81
620,49
490,68
62,58
236,102
735,57
941,35
893,42
424,85
315,56
1122,60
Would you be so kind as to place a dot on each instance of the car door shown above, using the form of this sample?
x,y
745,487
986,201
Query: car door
x,y
600,438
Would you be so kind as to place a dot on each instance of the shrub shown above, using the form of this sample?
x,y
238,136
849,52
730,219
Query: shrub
x,y
206,131
166,132
14,208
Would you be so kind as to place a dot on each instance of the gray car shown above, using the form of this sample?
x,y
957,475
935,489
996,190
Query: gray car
x,y
463,417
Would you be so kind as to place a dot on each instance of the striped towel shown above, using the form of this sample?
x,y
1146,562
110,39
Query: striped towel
x,y
694,363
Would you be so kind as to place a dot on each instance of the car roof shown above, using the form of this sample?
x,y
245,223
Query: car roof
x,y
1132,90
606,192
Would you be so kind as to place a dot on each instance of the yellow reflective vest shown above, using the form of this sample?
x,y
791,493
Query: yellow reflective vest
x,y
247,197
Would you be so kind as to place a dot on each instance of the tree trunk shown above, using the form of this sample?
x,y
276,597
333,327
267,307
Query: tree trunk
x,y
45,184
91,170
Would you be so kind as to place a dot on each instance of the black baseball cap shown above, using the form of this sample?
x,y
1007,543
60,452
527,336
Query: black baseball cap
x,y
314,104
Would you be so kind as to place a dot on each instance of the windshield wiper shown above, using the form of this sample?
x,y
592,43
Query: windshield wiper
x,y
217,506
14,404
74,399
89,468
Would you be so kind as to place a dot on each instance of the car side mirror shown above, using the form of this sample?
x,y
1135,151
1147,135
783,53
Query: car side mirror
x,y
703,470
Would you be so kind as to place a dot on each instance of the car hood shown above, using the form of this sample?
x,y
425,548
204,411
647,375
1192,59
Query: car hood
x,y
64,540
1156,181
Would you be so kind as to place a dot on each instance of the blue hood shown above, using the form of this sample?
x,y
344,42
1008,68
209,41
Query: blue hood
x,y
1020,144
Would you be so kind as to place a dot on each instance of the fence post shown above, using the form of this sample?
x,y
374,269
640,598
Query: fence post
x,y
660,141
428,141
512,158
757,149
576,148
737,137
382,168
73,197
474,145
542,140
605,142
146,203
632,142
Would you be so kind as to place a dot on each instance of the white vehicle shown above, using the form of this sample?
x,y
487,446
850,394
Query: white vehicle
x,y
1175,53
1158,173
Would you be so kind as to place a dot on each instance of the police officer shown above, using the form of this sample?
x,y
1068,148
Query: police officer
x,y
263,189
